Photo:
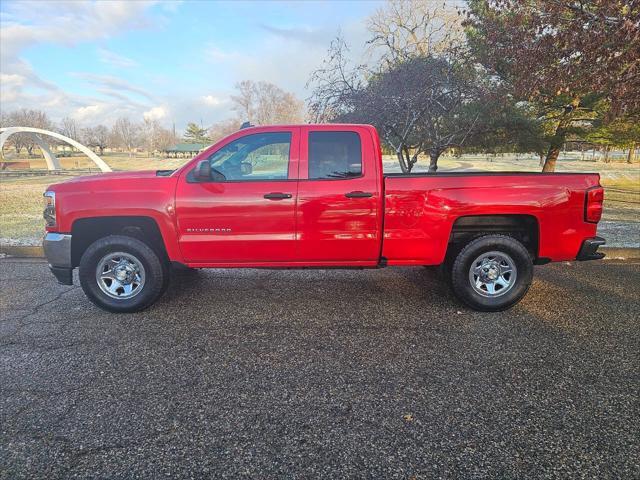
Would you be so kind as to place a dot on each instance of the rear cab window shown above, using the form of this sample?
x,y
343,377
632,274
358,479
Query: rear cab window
x,y
334,155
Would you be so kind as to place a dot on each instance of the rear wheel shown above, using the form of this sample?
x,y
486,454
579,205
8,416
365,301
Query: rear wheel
x,y
492,273
122,274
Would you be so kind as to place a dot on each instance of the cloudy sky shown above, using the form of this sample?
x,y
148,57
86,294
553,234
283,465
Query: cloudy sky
x,y
169,60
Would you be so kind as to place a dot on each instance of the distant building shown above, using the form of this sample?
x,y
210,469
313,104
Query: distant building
x,y
185,149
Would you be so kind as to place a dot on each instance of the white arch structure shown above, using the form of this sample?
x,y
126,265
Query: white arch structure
x,y
52,161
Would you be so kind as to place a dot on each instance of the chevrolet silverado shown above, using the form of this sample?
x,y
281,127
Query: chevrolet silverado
x,y
315,196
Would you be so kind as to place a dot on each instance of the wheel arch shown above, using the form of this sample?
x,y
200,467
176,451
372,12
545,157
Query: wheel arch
x,y
85,231
523,227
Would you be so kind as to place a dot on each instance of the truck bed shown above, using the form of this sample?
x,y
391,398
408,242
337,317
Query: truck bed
x,y
422,209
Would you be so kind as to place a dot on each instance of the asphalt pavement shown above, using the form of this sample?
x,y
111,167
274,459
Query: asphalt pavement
x,y
322,374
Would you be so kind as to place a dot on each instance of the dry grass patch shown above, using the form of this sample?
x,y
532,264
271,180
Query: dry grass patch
x,y
21,198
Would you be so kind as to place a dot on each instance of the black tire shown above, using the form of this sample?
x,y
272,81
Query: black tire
x,y
156,275
463,263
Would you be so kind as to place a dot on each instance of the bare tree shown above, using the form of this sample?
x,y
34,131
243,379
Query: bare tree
x,y
419,105
28,118
125,134
334,84
69,128
245,100
264,103
412,91
423,105
164,138
222,129
156,137
96,137
405,29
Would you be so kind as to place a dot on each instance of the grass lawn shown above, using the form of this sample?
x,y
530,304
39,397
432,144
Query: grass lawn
x,y
622,200
21,198
115,161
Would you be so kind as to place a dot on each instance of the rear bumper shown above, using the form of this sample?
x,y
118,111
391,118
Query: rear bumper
x,y
57,249
589,249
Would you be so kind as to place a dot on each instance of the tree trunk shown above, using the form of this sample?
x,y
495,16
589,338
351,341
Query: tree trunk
x,y
541,155
554,150
402,162
552,158
555,146
434,155
607,148
631,156
413,161
559,137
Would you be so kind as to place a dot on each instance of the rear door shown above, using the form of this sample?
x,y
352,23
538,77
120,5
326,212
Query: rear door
x,y
248,215
338,218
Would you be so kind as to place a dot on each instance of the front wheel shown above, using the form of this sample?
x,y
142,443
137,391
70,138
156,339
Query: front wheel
x,y
122,274
492,273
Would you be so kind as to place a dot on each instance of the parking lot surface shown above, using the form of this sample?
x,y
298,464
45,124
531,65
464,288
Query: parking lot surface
x,y
322,374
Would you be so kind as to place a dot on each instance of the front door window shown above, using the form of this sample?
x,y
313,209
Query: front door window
x,y
262,156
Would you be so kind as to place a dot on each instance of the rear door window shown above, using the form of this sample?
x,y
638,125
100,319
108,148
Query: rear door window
x,y
334,155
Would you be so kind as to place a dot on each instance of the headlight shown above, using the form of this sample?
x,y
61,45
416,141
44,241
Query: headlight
x,y
49,213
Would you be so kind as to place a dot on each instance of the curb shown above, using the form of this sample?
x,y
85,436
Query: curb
x,y
615,253
22,251
19,251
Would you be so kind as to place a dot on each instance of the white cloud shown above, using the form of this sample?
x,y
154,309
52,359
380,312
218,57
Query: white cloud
x,y
287,56
112,58
90,113
10,86
156,113
299,34
212,100
27,23
11,79
112,83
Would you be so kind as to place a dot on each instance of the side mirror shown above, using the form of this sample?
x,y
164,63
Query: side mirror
x,y
246,168
202,172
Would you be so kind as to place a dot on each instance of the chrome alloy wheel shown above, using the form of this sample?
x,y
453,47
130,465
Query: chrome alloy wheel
x,y
120,275
493,274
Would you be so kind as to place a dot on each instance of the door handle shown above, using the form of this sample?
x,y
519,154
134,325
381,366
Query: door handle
x,y
277,196
358,194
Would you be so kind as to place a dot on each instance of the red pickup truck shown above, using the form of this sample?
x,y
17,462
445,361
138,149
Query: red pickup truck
x,y
315,196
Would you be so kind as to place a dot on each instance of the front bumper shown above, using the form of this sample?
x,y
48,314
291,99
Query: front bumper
x,y
57,249
588,250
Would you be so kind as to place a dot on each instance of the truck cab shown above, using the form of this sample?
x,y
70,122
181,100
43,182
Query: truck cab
x,y
284,196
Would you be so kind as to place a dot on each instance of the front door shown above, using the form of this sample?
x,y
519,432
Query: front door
x,y
246,213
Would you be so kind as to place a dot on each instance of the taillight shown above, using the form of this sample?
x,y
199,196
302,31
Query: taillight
x,y
593,205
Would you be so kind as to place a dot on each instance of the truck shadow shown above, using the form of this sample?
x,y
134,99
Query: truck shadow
x,y
347,295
